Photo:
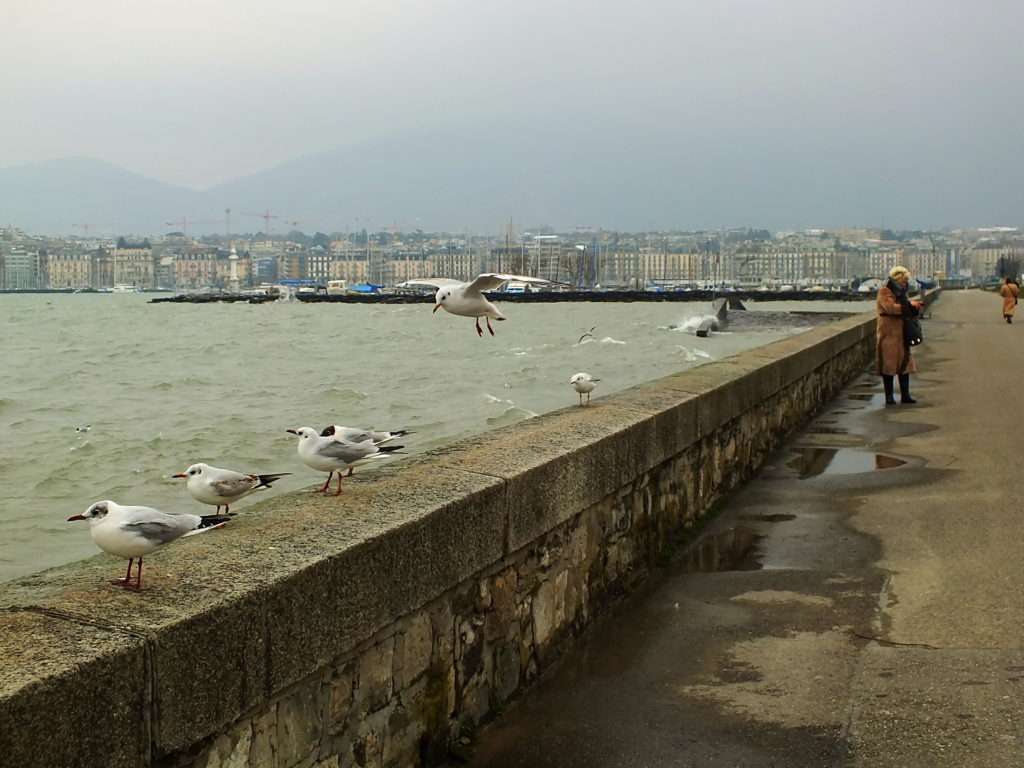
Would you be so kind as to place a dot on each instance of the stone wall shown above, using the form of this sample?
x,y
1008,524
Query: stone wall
x,y
381,628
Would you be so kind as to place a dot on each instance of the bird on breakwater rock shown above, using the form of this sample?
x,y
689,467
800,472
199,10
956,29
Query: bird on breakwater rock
x,y
467,299
223,487
584,384
332,454
131,532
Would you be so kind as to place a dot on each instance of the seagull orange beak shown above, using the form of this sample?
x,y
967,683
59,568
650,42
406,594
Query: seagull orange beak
x,y
436,307
180,474
76,517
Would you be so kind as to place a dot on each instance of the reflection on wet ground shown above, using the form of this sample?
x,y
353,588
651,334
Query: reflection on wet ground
x,y
734,549
811,462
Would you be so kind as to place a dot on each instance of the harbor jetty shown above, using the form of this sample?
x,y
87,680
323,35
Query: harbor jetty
x,y
533,297
750,561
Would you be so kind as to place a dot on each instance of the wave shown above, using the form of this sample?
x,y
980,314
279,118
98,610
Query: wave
x,y
511,416
693,355
688,325
610,340
344,393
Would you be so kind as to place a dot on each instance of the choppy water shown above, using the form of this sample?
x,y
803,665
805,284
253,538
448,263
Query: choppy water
x,y
164,386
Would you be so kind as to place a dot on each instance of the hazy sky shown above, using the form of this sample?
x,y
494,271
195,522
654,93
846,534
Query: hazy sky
x,y
196,92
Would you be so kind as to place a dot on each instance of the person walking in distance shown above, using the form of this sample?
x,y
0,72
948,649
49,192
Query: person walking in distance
x,y
893,357
1010,292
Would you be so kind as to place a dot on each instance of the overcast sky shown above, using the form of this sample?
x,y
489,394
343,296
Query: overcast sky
x,y
197,93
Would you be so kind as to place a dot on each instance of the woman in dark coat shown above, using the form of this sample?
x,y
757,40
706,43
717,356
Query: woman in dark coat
x,y
893,357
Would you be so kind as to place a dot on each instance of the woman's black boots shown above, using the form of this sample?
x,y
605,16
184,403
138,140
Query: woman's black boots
x,y
904,388
887,383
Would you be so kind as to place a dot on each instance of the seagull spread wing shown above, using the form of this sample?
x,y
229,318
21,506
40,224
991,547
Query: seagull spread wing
x,y
489,281
429,282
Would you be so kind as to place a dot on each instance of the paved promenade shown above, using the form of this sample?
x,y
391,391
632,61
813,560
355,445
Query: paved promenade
x,y
876,620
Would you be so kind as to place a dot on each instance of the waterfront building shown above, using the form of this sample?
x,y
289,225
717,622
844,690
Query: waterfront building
x,y
21,267
351,270
133,265
69,270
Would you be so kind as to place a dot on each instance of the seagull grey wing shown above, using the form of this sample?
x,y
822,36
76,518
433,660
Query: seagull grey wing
x,y
233,486
354,435
490,281
347,452
158,531
430,282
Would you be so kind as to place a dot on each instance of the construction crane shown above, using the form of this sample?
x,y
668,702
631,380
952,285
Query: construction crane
x,y
266,216
182,223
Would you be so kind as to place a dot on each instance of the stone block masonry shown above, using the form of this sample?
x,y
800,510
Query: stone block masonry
x,y
381,628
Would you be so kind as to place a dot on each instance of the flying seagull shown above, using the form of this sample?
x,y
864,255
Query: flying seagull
x,y
467,299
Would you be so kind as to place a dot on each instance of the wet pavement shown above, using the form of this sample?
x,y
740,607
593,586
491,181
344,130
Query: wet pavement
x,y
859,603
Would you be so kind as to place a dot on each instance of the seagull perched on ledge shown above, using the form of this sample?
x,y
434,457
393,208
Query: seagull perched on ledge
x,y
467,299
584,384
357,435
223,487
333,454
131,532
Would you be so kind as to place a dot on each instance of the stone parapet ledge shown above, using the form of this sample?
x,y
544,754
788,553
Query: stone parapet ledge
x,y
231,622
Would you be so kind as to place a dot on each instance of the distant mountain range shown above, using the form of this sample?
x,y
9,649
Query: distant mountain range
x,y
475,177
455,181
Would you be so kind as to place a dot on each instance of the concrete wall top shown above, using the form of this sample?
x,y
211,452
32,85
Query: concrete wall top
x,y
230,618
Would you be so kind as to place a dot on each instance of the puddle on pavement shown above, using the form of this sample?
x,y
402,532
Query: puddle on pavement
x,y
827,431
776,517
811,462
734,549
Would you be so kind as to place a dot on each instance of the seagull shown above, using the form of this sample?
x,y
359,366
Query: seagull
x,y
467,299
584,384
223,487
131,532
83,428
332,454
357,435
588,335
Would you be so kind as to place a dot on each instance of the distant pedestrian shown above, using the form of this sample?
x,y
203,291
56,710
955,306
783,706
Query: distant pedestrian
x,y
1010,292
893,357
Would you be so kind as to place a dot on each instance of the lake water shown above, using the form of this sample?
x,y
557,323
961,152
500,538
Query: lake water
x,y
165,386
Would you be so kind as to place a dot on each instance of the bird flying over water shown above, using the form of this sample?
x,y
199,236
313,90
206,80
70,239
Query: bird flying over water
x,y
584,384
131,532
467,299
223,487
332,454
588,335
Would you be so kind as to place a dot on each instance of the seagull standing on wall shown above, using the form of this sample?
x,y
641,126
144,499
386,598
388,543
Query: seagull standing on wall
x,y
584,384
357,435
467,299
223,487
333,454
131,532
